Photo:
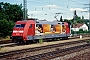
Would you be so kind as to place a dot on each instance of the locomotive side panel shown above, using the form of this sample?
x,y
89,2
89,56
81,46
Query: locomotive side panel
x,y
58,28
32,30
29,30
46,28
52,30
67,29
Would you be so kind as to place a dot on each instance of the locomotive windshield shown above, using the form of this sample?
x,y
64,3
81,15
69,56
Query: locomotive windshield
x,y
19,25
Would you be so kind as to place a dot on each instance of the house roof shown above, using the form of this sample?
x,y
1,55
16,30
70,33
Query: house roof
x,y
77,25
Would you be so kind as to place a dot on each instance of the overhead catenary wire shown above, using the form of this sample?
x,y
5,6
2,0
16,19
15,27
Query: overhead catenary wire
x,y
66,6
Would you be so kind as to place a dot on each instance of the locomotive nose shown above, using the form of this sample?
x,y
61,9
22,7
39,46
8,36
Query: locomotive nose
x,y
18,33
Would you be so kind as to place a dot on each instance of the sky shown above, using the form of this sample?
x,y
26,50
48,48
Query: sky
x,y
47,9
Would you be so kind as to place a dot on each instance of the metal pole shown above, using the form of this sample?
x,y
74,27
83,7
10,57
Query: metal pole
x,y
75,21
24,9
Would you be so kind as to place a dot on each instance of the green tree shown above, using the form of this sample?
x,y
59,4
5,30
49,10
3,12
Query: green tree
x,y
74,21
72,32
76,18
6,27
80,21
86,22
11,11
9,14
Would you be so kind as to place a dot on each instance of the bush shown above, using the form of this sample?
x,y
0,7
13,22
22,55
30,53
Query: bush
x,y
40,41
88,41
72,32
6,27
80,31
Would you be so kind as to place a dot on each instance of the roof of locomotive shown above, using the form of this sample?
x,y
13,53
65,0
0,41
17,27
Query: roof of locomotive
x,y
25,21
39,22
48,22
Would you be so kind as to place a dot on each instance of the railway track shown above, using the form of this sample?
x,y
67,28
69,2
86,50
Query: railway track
x,y
73,37
8,43
5,41
42,51
55,54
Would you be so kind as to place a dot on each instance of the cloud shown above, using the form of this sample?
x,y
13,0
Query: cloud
x,y
34,12
52,6
69,18
77,9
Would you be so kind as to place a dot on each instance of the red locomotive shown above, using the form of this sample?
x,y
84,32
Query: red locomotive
x,y
27,30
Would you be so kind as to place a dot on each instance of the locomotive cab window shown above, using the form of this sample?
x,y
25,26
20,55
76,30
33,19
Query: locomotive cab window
x,y
20,25
30,26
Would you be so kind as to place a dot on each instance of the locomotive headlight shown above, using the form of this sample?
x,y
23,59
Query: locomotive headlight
x,y
20,31
14,31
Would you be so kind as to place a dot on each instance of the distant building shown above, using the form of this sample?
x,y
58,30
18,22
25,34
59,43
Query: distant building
x,y
79,26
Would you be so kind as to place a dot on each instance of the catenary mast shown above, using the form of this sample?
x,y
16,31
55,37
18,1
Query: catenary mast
x,y
24,9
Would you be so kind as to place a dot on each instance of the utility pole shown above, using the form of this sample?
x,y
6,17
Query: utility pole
x,y
89,14
24,9
75,14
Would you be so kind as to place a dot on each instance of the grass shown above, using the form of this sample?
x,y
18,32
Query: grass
x,y
58,39
7,38
40,41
